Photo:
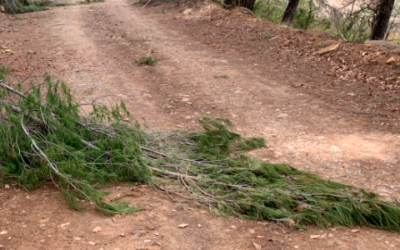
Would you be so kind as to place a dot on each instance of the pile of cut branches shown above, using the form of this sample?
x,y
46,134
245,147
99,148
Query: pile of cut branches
x,y
46,137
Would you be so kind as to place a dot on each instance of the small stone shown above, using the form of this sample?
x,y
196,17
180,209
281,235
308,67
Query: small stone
x,y
77,238
6,186
65,224
3,232
183,225
199,225
147,241
185,99
355,230
296,247
283,116
137,233
187,11
335,149
92,243
252,231
42,241
316,236
2,9
287,43
96,229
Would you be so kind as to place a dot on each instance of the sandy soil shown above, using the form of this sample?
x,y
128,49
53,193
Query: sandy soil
x,y
335,115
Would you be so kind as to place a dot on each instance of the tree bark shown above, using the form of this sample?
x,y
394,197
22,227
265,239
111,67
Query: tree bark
x,y
249,4
381,19
290,11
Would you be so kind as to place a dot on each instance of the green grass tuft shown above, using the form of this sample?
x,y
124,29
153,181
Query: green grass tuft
x,y
147,60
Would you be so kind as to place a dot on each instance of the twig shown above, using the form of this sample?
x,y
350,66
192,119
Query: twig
x,y
51,165
147,4
182,159
12,90
169,191
42,122
172,173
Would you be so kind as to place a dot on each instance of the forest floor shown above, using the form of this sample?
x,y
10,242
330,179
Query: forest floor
x,y
336,115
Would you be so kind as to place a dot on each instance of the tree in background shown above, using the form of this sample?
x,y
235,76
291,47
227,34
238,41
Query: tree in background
x,y
381,19
290,11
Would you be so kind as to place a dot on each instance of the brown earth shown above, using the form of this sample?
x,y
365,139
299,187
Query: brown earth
x,y
335,115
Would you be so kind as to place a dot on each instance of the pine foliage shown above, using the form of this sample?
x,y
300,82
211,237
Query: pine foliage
x,y
46,138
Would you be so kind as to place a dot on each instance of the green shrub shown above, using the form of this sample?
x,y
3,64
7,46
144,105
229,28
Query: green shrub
x,y
353,27
305,16
147,60
270,11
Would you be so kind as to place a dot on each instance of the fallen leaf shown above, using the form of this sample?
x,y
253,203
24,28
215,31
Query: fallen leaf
x,y
183,225
391,60
256,246
329,49
96,229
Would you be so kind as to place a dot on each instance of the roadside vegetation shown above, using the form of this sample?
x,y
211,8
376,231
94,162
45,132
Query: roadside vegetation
x,y
351,22
355,20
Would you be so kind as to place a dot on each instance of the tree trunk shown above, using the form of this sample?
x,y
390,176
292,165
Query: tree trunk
x,y
381,19
291,8
249,4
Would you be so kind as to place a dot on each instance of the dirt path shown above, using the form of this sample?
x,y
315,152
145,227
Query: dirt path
x,y
94,47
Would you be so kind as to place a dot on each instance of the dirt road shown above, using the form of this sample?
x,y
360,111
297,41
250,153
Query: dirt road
x,y
93,49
